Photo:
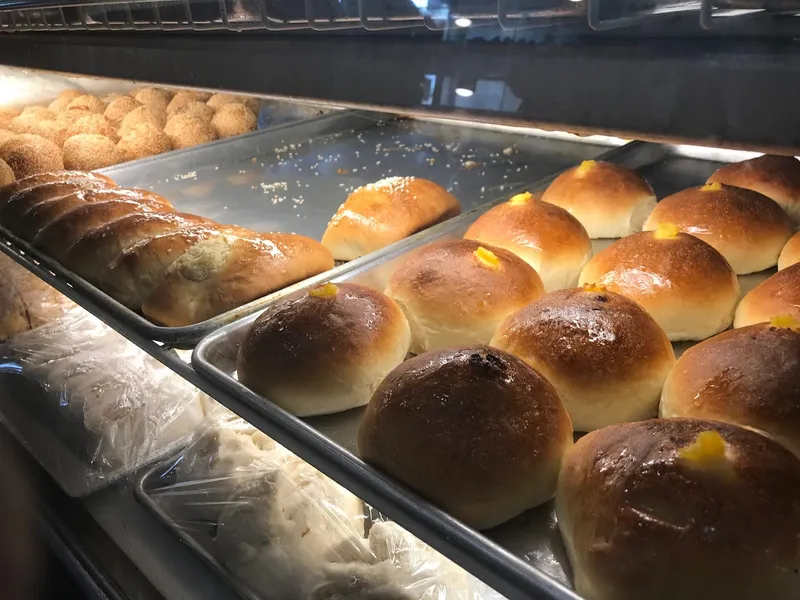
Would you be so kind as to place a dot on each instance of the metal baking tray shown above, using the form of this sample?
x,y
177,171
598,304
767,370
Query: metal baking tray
x,y
524,557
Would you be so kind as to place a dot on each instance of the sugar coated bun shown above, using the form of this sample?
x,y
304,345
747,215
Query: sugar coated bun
x,y
89,151
119,108
749,377
459,291
790,255
746,227
6,135
156,99
686,286
606,356
87,102
217,101
185,131
31,154
545,236
7,115
324,350
777,177
680,508
779,295
35,113
473,429
140,115
234,118
384,212
143,140
610,201
6,174
64,98
54,131
184,97
196,109
93,123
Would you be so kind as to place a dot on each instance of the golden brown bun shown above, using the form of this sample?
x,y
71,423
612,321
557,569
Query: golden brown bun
x,y
52,177
385,212
749,377
224,272
606,357
185,131
119,108
156,99
686,286
746,227
217,101
324,351
610,201
64,98
545,236
31,154
234,118
7,115
6,174
197,109
20,203
93,254
55,131
89,151
790,255
777,177
139,116
473,429
451,296
87,102
93,123
778,295
184,97
639,520
29,115
143,140
6,135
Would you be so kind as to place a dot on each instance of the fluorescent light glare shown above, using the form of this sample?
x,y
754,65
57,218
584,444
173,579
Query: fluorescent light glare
x,y
463,22
464,92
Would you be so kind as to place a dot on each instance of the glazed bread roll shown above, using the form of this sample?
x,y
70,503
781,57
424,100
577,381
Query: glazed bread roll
x,y
458,292
21,202
324,350
545,236
42,213
777,177
7,192
473,429
749,377
778,295
610,201
224,272
385,212
790,255
606,357
686,286
746,227
680,508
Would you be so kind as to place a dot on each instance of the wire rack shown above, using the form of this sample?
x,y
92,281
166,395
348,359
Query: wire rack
x,y
376,15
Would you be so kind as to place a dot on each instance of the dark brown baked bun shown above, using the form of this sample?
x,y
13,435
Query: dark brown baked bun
x,y
777,296
325,350
458,291
777,177
790,255
473,429
545,236
609,200
606,357
684,509
746,227
749,377
686,286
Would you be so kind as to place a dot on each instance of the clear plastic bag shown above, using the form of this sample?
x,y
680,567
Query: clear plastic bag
x,y
282,530
76,386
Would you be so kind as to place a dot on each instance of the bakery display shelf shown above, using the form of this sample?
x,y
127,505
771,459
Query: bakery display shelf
x,y
523,557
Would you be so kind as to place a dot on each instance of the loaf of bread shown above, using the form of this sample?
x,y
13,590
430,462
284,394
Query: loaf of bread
x,y
32,181
790,255
777,296
385,212
21,202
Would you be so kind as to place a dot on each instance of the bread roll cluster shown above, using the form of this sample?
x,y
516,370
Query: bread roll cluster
x,y
175,268
83,132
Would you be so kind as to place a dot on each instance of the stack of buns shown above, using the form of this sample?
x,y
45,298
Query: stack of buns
x,y
176,268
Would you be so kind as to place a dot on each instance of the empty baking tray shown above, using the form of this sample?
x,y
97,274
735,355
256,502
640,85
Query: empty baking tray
x,y
524,557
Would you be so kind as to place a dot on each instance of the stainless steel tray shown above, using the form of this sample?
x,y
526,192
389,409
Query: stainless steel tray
x,y
522,558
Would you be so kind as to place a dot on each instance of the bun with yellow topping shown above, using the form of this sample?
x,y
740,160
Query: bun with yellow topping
x,y
459,291
680,508
610,201
778,295
686,286
325,350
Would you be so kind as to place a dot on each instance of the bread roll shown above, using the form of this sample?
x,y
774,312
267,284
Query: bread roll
x,y
459,291
7,115
93,124
184,97
21,202
779,295
777,177
385,212
87,102
748,377
746,227
196,109
790,254
91,151
224,272
185,131
143,140
545,236
156,99
139,116
606,357
473,429
91,256
325,350
6,174
217,101
234,119
31,154
63,100
686,286
680,508
610,201
56,237
7,192
119,108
